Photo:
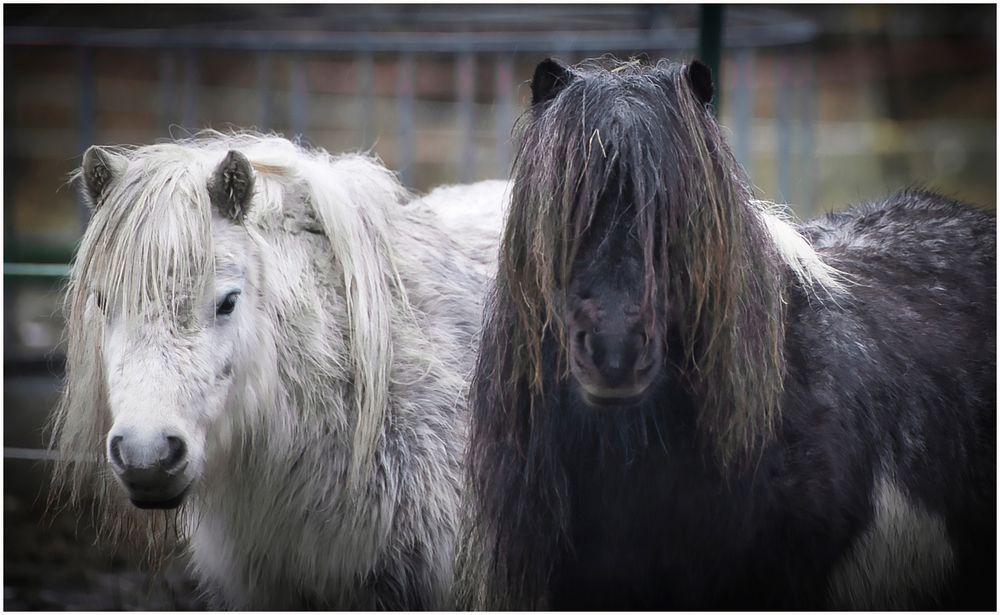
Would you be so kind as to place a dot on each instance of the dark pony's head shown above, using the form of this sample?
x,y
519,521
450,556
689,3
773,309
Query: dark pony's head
x,y
629,224
632,263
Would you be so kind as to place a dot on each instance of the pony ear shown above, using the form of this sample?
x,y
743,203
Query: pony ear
x,y
699,77
100,167
231,186
550,79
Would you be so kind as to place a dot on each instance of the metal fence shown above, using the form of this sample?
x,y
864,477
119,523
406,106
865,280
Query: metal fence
x,y
181,54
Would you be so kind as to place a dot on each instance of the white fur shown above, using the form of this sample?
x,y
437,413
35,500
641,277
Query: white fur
x,y
472,207
795,251
324,417
904,556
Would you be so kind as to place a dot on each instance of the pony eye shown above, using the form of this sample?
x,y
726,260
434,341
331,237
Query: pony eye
x,y
102,303
227,305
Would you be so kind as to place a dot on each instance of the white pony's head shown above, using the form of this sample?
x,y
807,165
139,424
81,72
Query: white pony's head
x,y
162,303
231,298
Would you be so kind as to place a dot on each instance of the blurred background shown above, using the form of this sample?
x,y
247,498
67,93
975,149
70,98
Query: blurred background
x,y
824,106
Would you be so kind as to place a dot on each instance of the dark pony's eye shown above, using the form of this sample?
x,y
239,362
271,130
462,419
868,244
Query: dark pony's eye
x,y
227,305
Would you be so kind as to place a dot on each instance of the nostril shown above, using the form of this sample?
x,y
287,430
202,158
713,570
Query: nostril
x,y
588,344
115,453
642,370
585,343
176,451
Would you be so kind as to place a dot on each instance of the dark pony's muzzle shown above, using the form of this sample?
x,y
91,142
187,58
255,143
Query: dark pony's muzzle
x,y
613,369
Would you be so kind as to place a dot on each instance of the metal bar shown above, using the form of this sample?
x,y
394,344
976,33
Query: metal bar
x,y
766,31
504,115
808,154
710,46
405,66
10,242
36,270
264,89
794,94
298,112
743,109
466,79
85,119
9,159
190,117
31,454
783,120
365,66
168,89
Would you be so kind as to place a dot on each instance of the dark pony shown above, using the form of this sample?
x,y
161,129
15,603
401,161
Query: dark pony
x,y
682,400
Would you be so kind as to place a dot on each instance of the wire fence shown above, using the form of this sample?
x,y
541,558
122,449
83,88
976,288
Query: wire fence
x,y
477,59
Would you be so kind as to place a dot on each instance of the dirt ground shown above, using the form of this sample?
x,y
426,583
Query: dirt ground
x,y
55,564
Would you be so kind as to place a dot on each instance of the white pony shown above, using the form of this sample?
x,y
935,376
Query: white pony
x,y
269,340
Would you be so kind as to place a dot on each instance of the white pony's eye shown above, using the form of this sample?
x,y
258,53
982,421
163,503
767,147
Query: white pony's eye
x,y
228,304
101,302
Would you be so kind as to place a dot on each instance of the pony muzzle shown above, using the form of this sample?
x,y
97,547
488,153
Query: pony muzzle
x,y
613,370
151,467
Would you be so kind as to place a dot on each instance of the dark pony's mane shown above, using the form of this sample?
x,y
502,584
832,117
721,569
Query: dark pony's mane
x,y
619,130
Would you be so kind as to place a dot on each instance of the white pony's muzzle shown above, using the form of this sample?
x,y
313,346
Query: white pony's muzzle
x,y
151,465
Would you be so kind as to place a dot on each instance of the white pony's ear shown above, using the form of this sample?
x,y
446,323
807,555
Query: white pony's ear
x,y
231,186
100,168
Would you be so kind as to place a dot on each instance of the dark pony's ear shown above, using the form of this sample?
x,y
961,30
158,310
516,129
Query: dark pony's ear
x,y
100,168
231,186
550,78
699,77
